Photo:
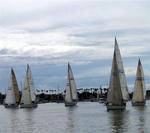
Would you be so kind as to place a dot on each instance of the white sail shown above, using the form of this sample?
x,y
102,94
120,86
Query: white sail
x,y
68,97
15,86
31,84
121,72
12,95
71,91
28,95
114,92
139,86
72,83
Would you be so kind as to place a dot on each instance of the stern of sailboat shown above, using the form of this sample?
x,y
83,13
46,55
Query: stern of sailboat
x,y
11,106
139,103
116,107
33,105
71,103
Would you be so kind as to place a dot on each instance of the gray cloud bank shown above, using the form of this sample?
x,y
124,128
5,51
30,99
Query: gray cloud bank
x,y
82,32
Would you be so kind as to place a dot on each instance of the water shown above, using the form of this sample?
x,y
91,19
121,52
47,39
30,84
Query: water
x,y
87,117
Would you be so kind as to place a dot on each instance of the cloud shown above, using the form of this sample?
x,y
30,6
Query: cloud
x,y
81,32
61,46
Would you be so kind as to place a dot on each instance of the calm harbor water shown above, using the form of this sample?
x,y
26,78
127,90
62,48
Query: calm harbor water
x,y
87,117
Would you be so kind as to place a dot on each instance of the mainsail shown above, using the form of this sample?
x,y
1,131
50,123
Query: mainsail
x,y
68,95
12,95
72,83
71,91
28,93
114,93
122,77
139,86
15,86
117,92
31,84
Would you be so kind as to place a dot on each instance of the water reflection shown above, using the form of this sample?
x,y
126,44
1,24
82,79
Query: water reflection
x,y
71,119
85,118
140,118
118,121
14,120
29,122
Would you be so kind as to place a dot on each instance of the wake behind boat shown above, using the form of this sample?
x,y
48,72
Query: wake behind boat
x,y
117,92
71,96
28,99
12,95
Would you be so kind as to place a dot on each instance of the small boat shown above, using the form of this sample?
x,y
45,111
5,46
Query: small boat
x,y
117,93
28,99
139,87
71,96
12,96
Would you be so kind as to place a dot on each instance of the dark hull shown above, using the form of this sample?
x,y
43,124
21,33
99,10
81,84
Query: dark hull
x,y
11,105
138,103
116,107
28,105
70,103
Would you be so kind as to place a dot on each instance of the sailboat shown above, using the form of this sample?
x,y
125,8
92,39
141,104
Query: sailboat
x,y
139,87
117,93
12,96
28,99
71,96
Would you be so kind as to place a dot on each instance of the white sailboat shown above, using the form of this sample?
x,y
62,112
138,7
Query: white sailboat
x,y
122,77
71,96
12,96
117,93
28,99
139,87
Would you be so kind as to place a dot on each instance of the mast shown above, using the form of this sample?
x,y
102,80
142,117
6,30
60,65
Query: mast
x,y
58,93
69,80
139,86
114,92
121,72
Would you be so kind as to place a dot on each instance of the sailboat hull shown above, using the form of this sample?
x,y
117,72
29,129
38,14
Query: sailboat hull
x,y
70,103
28,105
11,106
138,103
116,107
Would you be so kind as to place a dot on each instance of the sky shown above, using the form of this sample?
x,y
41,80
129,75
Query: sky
x,y
47,34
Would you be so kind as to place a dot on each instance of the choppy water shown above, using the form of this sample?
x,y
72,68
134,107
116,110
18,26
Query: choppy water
x,y
87,117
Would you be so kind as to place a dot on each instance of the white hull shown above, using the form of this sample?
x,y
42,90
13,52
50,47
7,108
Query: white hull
x,y
28,105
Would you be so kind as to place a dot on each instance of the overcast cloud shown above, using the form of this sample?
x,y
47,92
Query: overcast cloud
x,y
50,33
